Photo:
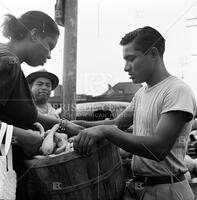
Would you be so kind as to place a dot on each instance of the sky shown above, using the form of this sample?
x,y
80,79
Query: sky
x,y
101,25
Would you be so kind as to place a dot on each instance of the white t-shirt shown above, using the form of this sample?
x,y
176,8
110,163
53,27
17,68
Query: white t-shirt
x,y
149,104
50,111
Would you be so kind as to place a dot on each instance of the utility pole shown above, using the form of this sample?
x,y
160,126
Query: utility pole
x,y
66,15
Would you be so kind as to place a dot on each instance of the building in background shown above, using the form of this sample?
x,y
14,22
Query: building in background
x,y
123,91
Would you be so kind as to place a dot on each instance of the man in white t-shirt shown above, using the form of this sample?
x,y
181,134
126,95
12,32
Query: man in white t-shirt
x,y
42,83
161,113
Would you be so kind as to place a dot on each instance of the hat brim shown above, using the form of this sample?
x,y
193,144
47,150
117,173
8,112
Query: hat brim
x,y
52,77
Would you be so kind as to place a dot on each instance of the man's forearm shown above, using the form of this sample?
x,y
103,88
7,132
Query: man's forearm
x,y
143,146
88,124
72,129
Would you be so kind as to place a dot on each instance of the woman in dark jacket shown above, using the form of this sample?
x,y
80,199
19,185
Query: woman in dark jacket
x,y
31,39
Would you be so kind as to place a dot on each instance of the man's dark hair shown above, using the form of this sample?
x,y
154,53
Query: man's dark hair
x,y
145,38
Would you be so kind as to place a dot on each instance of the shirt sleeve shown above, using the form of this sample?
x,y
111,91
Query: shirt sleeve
x,y
180,98
9,71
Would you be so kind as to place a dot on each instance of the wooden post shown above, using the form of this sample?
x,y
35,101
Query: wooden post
x,y
70,59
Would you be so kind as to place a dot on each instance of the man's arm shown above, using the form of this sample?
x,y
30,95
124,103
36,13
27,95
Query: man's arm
x,y
153,147
124,120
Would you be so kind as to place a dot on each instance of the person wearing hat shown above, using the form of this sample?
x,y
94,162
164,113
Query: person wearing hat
x,y
42,83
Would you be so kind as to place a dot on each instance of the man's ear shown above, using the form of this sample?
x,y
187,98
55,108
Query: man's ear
x,y
154,52
34,34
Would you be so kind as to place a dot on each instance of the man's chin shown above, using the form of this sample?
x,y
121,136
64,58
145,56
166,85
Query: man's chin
x,y
136,81
41,101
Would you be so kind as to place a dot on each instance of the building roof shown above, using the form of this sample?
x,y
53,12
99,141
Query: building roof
x,y
122,88
123,91
127,87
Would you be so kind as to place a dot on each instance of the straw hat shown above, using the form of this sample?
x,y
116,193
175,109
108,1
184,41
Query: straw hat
x,y
43,73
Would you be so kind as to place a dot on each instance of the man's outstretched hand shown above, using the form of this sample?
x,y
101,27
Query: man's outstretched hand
x,y
86,138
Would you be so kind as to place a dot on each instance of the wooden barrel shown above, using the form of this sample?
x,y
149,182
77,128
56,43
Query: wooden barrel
x,y
126,164
127,172
69,176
